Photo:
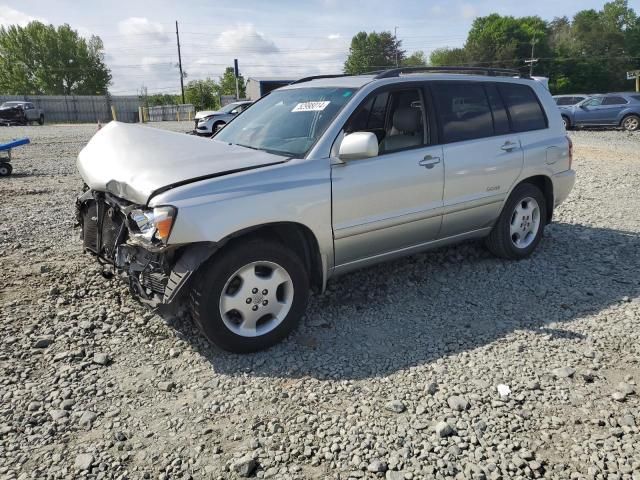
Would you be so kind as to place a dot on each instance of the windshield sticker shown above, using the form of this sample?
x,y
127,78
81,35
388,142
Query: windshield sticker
x,y
310,106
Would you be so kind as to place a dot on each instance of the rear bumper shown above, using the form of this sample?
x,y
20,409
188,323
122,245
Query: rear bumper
x,y
562,185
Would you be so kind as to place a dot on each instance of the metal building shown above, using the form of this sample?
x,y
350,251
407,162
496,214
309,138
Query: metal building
x,y
260,86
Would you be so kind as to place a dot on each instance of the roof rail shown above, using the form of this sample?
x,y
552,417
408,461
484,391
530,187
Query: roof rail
x,y
491,72
315,77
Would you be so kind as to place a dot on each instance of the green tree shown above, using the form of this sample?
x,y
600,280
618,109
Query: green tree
x,y
202,94
416,59
449,57
43,59
227,84
373,51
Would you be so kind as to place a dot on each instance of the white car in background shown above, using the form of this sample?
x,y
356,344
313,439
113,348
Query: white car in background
x,y
209,121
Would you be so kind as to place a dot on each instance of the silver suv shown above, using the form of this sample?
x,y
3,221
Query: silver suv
x,y
318,178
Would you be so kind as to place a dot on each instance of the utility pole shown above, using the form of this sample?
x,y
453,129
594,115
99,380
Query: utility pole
x,y
395,41
532,61
180,64
236,73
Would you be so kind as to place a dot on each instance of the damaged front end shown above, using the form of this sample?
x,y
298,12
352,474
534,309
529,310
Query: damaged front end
x,y
131,240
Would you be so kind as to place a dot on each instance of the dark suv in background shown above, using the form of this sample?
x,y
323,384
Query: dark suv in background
x,y
610,109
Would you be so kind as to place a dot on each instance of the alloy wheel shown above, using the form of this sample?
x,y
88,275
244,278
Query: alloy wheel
x,y
256,299
525,222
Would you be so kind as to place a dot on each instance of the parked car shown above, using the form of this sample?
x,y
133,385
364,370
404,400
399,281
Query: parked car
x,y
318,178
208,122
21,112
610,109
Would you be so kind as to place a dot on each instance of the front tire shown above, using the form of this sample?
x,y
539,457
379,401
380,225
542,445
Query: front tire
x,y
250,295
631,123
566,122
519,228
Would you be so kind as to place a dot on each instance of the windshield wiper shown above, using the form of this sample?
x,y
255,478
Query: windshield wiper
x,y
268,150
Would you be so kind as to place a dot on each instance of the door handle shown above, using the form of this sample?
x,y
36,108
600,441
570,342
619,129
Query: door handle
x,y
508,146
429,161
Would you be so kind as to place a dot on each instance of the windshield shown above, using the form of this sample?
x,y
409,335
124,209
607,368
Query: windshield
x,y
228,108
10,104
287,122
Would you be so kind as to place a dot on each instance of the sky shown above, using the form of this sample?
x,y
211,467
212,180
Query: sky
x,y
282,38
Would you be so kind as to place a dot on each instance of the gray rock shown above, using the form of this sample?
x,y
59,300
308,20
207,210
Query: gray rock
x,y
87,418
393,475
58,414
34,406
43,342
618,396
377,466
395,406
457,403
443,429
563,372
627,421
245,466
67,404
101,358
83,461
626,388
431,388
166,386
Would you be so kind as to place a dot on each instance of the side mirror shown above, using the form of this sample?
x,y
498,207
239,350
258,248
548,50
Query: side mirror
x,y
358,145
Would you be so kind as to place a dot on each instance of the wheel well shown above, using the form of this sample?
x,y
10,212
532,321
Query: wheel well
x,y
545,185
295,236
566,117
631,114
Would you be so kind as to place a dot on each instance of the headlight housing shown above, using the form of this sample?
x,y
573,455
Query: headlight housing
x,y
152,227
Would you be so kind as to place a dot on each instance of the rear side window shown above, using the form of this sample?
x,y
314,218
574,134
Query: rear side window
x,y
636,97
565,101
614,101
464,111
523,106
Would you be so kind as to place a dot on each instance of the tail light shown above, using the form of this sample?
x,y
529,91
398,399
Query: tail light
x,y
570,152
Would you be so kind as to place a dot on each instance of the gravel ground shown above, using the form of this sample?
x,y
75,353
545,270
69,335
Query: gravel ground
x,y
450,364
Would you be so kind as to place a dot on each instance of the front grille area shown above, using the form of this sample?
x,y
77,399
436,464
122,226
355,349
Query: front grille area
x,y
154,281
103,228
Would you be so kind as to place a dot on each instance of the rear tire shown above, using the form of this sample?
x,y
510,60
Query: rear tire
x,y
5,169
41,120
630,123
519,228
566,122
250,295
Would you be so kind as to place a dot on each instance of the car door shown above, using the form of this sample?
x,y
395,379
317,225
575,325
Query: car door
x,y
588,112
482,157
610,109
393,201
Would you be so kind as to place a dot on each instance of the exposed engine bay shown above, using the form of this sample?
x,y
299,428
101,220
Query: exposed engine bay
x,y
129,240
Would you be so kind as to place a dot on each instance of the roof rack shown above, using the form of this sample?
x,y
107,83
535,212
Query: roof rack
x,y
315,77
491,72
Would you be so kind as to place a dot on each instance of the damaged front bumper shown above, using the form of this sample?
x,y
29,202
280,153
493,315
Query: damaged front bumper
x,y
155,272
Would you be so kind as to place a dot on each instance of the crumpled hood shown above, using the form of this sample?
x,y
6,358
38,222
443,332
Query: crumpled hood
x,y
206,113
133,162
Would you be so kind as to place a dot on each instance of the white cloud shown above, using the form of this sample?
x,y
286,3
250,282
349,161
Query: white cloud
x,y
468,11
245,39
334,36
143,27
10,16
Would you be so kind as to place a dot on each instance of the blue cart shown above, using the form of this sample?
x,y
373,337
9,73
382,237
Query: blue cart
x,y
5,155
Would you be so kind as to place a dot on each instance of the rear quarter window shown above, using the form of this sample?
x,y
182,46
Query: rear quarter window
x,y
523,106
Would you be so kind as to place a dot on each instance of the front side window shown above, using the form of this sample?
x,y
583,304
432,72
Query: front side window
x,y
395,116
287,122
592,102
614,101
524,109
463,110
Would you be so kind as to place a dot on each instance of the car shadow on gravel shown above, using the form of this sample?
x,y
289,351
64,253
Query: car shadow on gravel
x,y
414,311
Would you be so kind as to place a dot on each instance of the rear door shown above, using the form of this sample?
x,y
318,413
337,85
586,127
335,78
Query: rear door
x,y
610,110
482,156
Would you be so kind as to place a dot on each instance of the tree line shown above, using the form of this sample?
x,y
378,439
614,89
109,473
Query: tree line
x,y
590,52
